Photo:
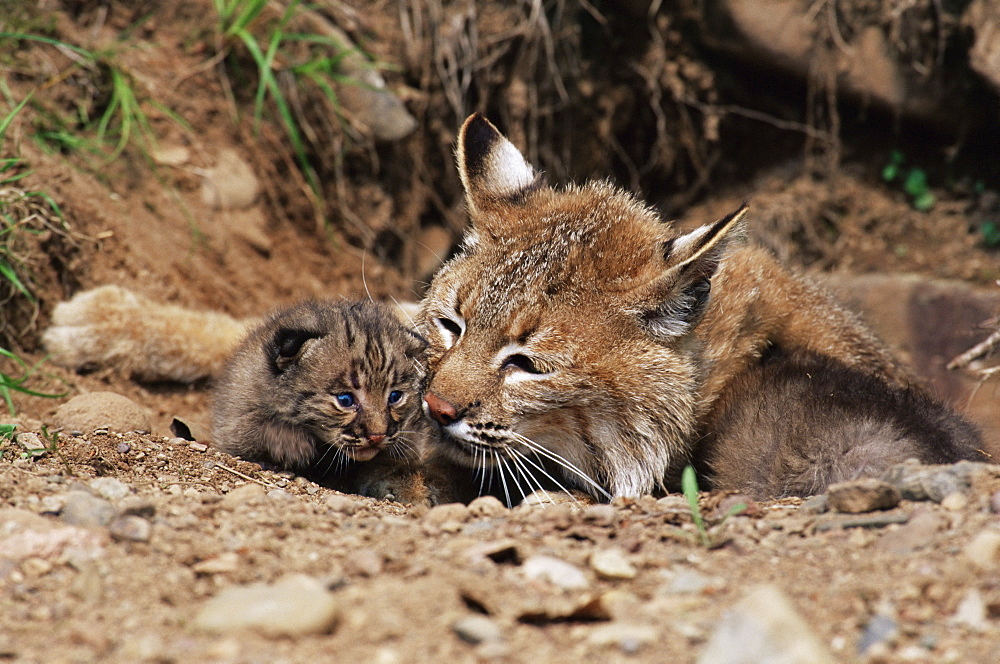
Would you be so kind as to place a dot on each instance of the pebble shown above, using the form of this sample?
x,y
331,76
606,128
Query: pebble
x,y
629,637
600,515
487,506
984,550
955,502
918,482
689,582
440,515
32,443
764,626
917,533
862,495
130,528
365,562
198,447
881,629
293,606
96,410
555,571
124,448
878,520
971,612
109,488
137,506
477,629
84,509
224,563
342,504
815,504
247,494
612,564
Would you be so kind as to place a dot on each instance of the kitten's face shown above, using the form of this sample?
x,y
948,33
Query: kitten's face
x,y
351,382
561,336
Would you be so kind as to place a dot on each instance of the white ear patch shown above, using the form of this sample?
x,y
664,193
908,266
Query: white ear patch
x,y
506,171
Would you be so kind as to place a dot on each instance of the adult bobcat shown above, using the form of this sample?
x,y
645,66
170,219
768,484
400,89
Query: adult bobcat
x,y
577,338
579,341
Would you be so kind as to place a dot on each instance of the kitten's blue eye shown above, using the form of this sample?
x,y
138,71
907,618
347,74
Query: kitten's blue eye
x,y
345,400
395,396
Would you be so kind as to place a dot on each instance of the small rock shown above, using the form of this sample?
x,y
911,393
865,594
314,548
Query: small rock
x,y
689,582
764,626
279,495
137,506
487,506
294,606
130,528
342,504
109,488
600,515
224,563
231,185
32,444
244,495
477,629
555,571
176,155
877,520
365,563
612,564
863,495
630,638
918,482
84,509
917,533
124,448
447,513
971,612
198,447
955,502
984,550
881,629
36,567
93,410
815,504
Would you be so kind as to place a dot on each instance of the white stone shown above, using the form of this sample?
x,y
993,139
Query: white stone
x,y
555,571
293,606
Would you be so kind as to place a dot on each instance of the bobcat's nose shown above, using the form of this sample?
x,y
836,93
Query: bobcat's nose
x,y
442,411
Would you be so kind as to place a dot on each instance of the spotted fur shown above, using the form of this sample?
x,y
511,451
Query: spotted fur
x,y
576,340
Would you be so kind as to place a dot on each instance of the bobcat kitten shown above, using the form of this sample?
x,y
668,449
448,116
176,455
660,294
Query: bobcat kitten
x,y
578,340
333,390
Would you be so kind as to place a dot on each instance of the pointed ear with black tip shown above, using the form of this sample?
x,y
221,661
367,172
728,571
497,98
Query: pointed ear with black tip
x,y
287,346
493,171
676,301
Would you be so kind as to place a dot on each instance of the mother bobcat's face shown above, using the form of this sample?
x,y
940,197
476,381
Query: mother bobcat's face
x,y
562,341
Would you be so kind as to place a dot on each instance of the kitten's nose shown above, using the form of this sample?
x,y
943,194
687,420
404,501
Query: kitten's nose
x,y
375,438
442,411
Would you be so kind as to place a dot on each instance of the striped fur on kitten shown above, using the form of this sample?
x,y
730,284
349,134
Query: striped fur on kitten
x,y
332,390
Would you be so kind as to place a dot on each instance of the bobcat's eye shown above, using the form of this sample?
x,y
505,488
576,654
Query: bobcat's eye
x,y
395,396
522,362
451,326
345,400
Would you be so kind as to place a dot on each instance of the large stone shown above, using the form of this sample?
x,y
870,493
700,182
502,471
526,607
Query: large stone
x,y
764,626
294,606
863,495
97,410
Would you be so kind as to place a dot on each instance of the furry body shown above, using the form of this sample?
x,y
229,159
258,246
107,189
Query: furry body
x,y
578,339
333,390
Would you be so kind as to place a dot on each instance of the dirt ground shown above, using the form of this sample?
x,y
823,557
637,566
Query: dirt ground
x,y
672,106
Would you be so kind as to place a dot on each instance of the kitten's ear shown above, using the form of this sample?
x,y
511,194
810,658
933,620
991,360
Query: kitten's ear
x,y
674,303
287,346
493,171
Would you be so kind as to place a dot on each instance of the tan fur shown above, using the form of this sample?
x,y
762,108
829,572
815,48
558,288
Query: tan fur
x,y
572,331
